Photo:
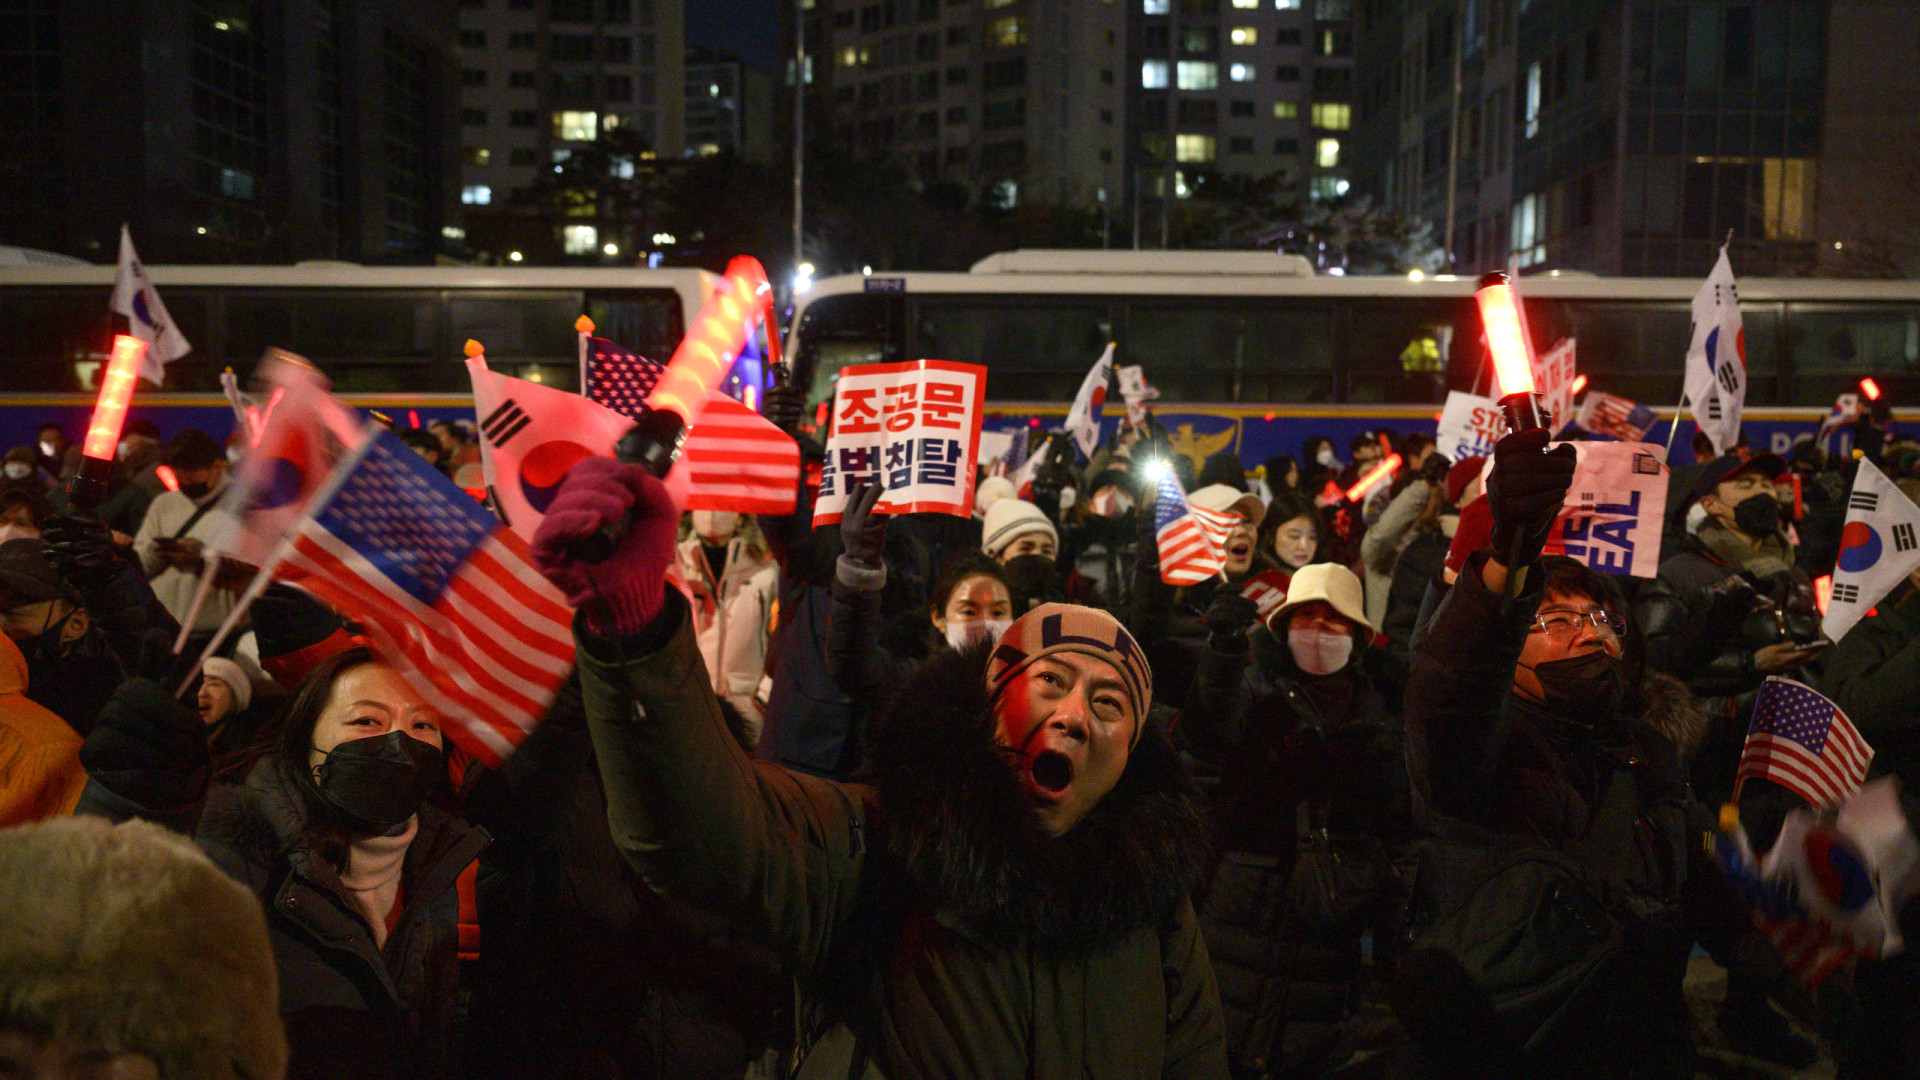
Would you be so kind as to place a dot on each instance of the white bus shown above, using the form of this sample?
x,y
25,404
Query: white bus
x,y
1254,334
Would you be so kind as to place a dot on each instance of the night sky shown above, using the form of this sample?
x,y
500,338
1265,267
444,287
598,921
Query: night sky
x,y
747,29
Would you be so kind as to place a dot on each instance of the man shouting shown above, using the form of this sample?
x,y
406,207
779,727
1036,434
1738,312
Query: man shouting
x,y
1006,893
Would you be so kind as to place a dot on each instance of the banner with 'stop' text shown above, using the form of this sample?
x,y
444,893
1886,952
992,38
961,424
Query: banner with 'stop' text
x,y
913,427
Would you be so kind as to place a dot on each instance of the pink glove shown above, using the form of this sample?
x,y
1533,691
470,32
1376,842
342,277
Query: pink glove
x,y
622,595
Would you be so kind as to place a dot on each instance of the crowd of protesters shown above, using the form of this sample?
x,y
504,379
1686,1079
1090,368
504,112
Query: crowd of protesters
x,y
923,796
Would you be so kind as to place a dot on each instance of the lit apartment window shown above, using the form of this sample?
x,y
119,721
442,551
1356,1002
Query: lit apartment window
x,y
1240,72
583,126
1533,100
1197,75
1246,4
849,56
580,239
476,194
1153,7
1326,153
1193,148
1244,35
1286,5
1006,32
1153,74
1332,115
1329,187
1286,110
478,155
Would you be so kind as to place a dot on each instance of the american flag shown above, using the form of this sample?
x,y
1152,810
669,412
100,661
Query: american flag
x,y
448,593
1804,743
1615,417
1192,541
735,460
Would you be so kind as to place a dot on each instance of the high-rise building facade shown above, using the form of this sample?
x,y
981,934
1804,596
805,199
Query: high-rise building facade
x,y
230,130
1239,88
539,81
1016,100
1634,138
729,108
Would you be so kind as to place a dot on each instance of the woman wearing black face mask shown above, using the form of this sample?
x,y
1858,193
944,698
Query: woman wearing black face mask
x,y
337,825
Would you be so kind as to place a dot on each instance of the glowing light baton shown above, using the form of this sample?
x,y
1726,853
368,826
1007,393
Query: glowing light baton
x,y
1373,478
698,365
89,487
1870,388
1579,384
1512,353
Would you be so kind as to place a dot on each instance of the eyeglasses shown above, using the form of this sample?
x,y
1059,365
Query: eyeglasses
x,y
1566,624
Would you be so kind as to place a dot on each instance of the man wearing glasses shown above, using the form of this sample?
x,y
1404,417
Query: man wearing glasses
x,y
1548,903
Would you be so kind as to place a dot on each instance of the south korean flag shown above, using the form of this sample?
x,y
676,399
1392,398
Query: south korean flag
x,y
1878,548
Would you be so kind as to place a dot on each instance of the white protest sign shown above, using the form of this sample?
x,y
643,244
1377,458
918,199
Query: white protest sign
x,y
1612,520
994,446
1553,378
1469,426
913,427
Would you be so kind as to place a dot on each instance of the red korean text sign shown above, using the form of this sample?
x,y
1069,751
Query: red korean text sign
x,y
913,427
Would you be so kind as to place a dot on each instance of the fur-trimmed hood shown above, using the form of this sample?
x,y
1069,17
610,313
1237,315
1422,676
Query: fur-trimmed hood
x,y
954,815
1670,709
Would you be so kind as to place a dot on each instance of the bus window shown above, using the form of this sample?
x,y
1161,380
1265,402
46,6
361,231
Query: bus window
x,y
372,340
843,331
1231,351
519,327
55,339
1404,350
1834,345
1639,351
1034,350
647,321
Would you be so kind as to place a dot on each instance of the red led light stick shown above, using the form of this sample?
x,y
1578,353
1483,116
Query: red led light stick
x,y
89,486
674,406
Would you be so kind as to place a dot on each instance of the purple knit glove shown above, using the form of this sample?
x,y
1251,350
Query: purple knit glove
x,y
622,595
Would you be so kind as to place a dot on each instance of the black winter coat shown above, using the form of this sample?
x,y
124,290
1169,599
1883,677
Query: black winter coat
x,y
350,1008
1486,763
1703,621
1290,985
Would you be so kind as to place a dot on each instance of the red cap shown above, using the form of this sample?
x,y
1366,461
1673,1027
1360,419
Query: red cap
x,y
1474,533
1462,474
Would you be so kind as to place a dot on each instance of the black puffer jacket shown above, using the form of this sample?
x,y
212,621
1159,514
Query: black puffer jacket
x,y
1491,770
1704,621
350,1008
1296,755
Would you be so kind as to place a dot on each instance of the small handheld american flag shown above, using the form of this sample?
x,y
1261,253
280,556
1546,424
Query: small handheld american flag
x,y
1192,541
1803,742
447,591
735,459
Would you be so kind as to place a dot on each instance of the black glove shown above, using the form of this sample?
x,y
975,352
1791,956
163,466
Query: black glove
x,y
1525,492
81,548
863,533
148,748
1228,618
784,406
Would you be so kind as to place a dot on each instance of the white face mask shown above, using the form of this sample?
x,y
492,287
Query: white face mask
x,y
1319,652
962,634
1325,457
47,449
715,526
11,531
18,470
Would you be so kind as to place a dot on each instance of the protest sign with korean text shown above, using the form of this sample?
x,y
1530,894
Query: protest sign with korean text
x,y
913,427
1469,426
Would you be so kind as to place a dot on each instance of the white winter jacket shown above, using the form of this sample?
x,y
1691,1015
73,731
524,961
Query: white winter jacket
x,y
732,620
